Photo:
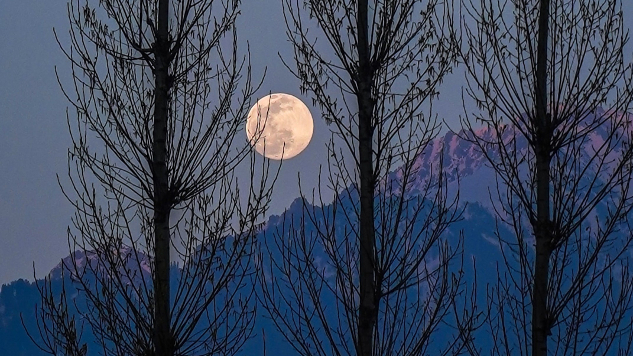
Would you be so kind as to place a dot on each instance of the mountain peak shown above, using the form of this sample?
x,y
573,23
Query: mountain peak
x,y
126,260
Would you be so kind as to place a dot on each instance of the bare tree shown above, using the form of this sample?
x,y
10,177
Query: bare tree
x,y
541,71
369,273
160,93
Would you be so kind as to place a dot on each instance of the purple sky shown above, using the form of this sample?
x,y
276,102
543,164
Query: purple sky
x,y
34,140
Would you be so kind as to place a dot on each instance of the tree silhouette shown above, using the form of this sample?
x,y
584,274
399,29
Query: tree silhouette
x,y
357,277
540,72
160,93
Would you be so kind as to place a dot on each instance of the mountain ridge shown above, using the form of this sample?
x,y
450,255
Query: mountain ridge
x,y
465,166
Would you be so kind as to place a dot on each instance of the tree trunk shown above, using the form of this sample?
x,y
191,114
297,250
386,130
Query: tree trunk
x,y
162,204
542,228
540,323
368,304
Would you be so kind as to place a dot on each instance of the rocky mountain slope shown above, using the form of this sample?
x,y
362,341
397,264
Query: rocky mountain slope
x,y
466,168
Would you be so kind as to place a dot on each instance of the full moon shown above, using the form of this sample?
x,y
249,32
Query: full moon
x,y
279,126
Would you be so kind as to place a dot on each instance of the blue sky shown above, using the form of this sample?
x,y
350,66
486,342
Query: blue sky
x,y
34,139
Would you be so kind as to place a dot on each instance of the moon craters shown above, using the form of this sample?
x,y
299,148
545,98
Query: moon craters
x,y
284,126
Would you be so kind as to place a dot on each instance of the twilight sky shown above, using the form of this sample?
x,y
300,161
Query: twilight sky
x,y
34,139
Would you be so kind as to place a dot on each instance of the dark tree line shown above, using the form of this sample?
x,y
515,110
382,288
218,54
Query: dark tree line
x,y
160,94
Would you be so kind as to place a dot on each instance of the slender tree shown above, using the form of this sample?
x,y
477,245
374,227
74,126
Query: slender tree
x,y
368,274
553,87
160,93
